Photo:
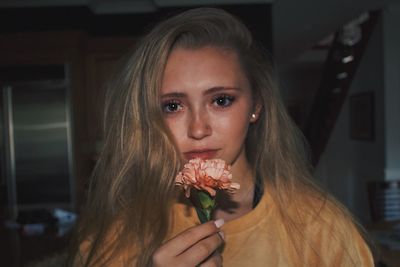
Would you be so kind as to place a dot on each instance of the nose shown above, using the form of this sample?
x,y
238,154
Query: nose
x,y
199,126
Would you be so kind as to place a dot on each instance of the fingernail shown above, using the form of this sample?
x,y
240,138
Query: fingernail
x,y
222,235
219,223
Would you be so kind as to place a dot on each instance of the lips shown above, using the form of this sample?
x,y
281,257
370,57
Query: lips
x,y
202,154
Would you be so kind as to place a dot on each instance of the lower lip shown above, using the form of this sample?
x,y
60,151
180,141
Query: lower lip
x,y
209,154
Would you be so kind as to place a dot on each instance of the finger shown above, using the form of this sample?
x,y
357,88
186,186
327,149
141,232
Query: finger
x,y
191,236
201,251
213,261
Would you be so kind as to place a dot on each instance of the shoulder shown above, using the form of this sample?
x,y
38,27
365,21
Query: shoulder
x,y
330,233
105,249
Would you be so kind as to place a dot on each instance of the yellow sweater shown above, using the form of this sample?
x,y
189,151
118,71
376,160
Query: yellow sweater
x,y
259,238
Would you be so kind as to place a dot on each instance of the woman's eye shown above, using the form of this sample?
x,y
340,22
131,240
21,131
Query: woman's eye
x,y
224,100
171,107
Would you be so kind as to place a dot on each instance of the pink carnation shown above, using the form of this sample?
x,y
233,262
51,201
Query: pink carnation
x,y
208,175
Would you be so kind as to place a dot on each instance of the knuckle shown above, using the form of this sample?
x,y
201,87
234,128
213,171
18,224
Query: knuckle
x,y
218,239
198,232
191,232
219,259
214,261
204,249
211,227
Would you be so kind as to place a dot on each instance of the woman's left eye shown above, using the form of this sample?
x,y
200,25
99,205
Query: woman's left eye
x,y
223,100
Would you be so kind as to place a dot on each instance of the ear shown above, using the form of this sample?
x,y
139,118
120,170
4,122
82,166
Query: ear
x,y
256,113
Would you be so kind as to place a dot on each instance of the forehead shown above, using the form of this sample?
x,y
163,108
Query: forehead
x,y
208,52
202,68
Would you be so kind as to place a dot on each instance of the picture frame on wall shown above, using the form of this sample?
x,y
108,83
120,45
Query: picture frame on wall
x,y
362,116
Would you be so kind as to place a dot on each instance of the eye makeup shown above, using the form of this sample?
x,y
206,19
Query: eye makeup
x,y
171,106
223,100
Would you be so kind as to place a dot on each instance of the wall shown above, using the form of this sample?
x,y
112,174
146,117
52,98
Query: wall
x,y
391,35
348,164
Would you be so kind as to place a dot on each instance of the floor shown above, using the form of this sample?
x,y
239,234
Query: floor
x,y
18,249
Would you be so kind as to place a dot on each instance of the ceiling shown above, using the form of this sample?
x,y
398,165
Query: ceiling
x,y
297,25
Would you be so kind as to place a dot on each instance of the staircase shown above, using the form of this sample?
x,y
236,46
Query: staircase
x,y
340,67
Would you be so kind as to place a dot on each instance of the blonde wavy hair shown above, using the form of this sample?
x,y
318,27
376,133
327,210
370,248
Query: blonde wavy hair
x,y
132,188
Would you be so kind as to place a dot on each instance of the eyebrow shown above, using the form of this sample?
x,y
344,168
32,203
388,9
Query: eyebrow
x,y
209,91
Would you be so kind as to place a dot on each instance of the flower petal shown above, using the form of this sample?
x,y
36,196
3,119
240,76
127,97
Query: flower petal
x,y
206,175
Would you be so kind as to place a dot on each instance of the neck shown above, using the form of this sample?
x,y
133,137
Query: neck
x,y
232,206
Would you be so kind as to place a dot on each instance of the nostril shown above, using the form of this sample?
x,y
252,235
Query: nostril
x,y
199,128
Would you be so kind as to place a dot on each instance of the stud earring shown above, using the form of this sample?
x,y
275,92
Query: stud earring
x,y
253,116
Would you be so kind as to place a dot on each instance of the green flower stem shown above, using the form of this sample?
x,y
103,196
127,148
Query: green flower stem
x,y
206,206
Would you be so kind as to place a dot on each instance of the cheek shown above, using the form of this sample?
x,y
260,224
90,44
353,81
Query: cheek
x,y
176,128
233,125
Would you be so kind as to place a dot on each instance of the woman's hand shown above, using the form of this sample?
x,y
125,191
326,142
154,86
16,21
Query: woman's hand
x,y
195,246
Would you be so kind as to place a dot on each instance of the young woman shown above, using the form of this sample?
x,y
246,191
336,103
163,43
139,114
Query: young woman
x,y
198,86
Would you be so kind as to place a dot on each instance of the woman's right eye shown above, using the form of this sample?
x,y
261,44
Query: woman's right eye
x,y
171,107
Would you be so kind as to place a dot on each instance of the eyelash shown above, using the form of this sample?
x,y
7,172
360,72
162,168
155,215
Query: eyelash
x,y
177,105
169,104
224,97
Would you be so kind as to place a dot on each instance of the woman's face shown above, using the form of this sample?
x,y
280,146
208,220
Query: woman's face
x,y
207,103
